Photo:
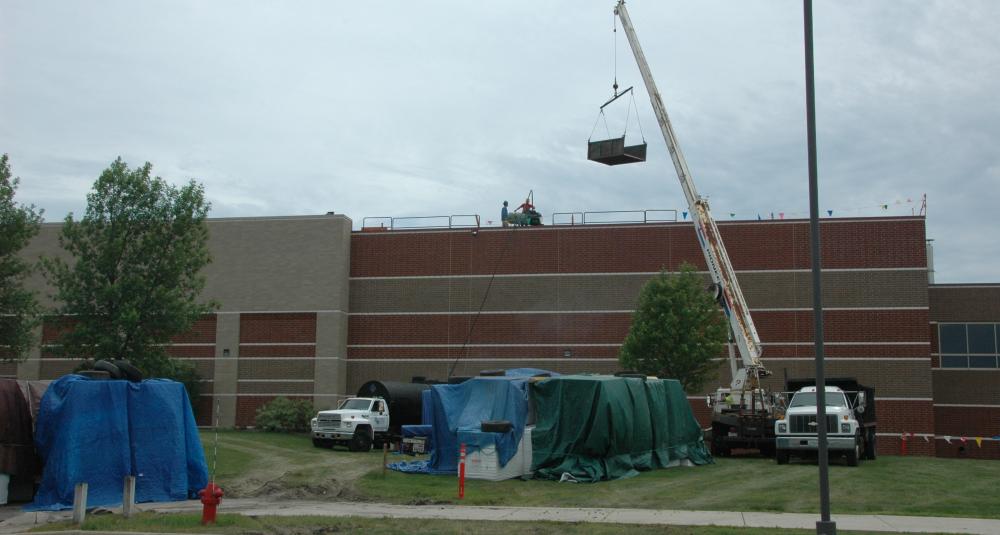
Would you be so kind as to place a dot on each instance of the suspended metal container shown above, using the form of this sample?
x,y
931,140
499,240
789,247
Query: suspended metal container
x,y
614,152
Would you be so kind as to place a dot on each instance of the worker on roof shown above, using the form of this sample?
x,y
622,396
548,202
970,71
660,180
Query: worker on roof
x,y
503,214
526,207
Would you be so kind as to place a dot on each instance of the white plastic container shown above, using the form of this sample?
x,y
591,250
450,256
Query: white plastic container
x,y
485,463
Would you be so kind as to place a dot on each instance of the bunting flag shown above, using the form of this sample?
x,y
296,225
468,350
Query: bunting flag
x,y
963,439
947,439
979,441
896,206
685,215
904,436
926,438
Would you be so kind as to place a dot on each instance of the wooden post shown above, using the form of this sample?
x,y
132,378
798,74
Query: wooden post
x,y
128,497
385,456
79,503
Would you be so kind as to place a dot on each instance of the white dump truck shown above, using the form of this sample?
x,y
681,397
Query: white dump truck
x,y
850,423
373,417
357,423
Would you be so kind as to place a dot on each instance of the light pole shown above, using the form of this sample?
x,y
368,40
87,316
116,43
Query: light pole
x,y
824,526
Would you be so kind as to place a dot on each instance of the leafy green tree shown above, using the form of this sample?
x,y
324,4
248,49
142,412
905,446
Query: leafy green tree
x,y
676,331
135,275
19,312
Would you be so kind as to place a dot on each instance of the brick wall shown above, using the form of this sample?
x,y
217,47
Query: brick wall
x,y
277,355
967,401
757,245
968,422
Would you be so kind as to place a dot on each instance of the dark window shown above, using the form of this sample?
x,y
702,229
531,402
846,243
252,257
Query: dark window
x,y
954,361
982,361
982,338
952,336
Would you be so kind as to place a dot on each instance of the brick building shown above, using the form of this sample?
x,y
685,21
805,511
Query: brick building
x,y
311,309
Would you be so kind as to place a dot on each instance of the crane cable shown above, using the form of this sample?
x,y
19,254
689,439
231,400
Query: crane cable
x,y
614,55
482,303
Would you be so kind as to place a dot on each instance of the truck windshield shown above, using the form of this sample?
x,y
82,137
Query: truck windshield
x,y
808,399
356,404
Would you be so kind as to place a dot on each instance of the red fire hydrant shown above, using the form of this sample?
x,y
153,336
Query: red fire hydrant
x,y
211,496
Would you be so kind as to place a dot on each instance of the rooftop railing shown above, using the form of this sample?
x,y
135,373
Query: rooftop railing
x,y
378,223
610,217
460,221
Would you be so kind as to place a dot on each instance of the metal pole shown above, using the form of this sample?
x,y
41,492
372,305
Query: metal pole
x,y
824,525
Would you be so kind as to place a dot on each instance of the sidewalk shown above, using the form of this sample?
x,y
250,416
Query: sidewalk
x,y
885,523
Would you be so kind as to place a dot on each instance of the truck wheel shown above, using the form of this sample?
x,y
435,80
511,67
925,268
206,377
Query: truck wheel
x,y
870,446
362,440
718,444
320,443
854,455
781,456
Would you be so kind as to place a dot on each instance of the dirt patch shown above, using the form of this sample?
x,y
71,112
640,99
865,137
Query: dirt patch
x,y
305,473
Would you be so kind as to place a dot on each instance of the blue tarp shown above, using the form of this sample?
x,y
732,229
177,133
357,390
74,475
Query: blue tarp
x,y
426,412
100,431
463,407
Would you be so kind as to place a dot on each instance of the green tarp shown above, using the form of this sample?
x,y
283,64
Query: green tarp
x,y
598,427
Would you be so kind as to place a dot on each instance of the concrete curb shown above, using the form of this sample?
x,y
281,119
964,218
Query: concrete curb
x,y
879,523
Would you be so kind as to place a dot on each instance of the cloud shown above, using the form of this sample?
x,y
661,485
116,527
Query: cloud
x,y
438,108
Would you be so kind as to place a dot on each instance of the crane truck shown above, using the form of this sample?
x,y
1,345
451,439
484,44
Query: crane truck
x,y
743,415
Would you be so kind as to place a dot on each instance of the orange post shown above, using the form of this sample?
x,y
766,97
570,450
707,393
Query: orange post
x,y
461,472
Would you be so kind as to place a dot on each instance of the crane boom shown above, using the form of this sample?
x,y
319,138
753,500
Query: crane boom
x,y
719,267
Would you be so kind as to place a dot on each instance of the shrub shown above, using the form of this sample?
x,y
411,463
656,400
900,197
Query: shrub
x,y
283,414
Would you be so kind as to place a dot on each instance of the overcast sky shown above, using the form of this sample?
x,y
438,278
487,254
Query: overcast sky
x,y
404,108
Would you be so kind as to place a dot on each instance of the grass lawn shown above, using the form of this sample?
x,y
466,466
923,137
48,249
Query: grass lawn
x,y
920,486
310,525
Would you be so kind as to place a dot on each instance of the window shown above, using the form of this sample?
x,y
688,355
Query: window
x,y
982,338
808,399
969,345
356,404
953,338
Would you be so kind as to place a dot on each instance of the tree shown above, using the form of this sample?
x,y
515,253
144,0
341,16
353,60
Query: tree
x,y
676,331
19,312
135,275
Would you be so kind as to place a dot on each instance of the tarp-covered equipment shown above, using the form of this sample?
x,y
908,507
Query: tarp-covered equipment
x,y
98,432
598,427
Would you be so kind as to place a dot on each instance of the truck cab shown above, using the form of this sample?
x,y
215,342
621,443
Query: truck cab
x,y
357,423
848,432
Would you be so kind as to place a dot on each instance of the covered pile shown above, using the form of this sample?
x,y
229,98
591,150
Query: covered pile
x,y
598,427
98,432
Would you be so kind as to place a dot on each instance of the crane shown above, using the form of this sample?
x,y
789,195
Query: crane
x,y
743,412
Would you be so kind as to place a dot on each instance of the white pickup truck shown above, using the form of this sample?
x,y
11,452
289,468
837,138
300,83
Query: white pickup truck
x,y
850,425
357,422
